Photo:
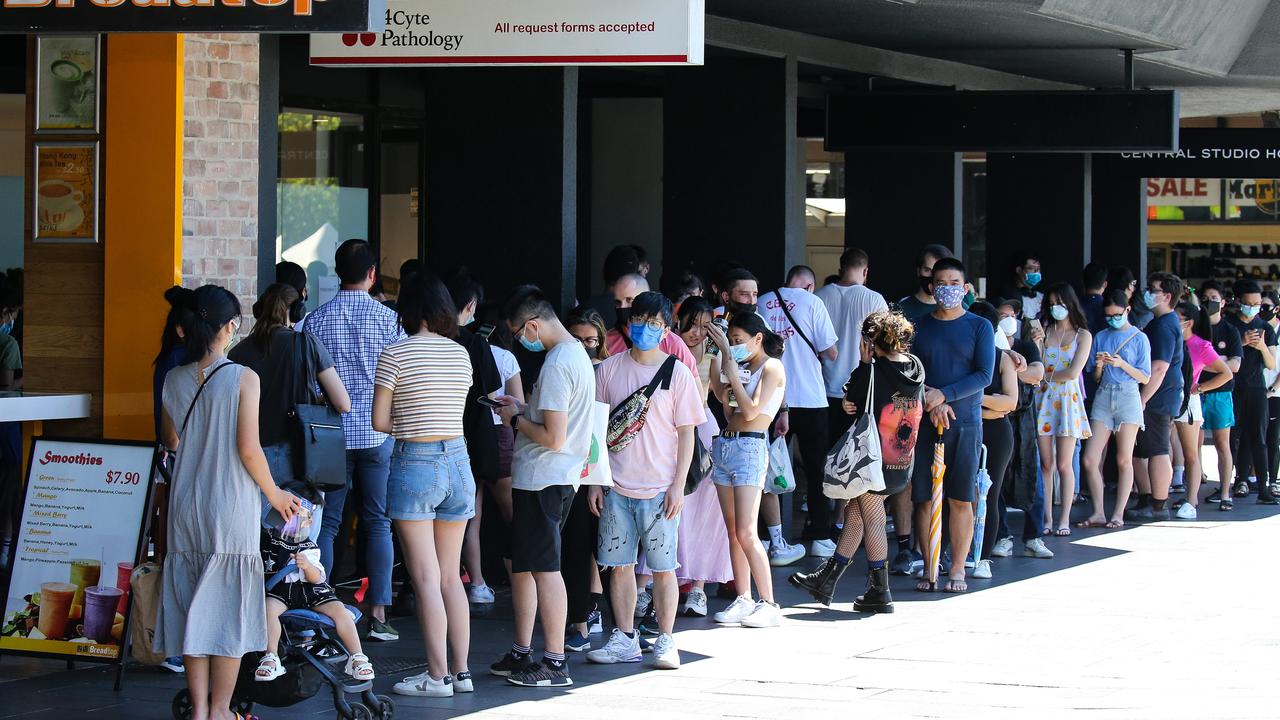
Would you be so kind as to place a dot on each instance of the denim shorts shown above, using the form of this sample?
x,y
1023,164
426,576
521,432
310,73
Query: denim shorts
x,y
1219,410
626,523
1116,404
739,461
431,481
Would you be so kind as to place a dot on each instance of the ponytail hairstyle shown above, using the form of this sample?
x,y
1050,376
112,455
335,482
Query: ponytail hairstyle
x,y
890,331
206,311
280,306
1199,317
753,324
178,298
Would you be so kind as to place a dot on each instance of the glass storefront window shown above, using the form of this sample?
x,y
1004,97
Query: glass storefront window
x,y
322,194
1202,200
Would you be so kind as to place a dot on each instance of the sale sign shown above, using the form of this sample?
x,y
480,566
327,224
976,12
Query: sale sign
x,y
523,32
82,523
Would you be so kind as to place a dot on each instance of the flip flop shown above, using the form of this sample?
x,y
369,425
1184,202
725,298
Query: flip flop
x,y
1091,523
1063,532
926,586
956,586
1114,524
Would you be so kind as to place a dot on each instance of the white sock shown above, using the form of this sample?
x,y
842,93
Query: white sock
x,y
775,535
1178,472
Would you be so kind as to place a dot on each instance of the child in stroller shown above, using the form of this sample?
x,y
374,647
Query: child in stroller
x,y
303,589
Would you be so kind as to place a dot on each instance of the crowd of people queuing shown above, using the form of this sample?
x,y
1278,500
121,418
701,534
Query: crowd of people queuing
x,y
460,413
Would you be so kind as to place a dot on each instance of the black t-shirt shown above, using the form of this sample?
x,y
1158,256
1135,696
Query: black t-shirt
x,y
277,373
1027,349
1250,375
477,420
1226,341
898,404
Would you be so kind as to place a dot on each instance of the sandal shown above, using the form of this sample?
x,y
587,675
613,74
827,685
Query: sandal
x,y
956,585
1091,523
926,586
1114,524
1063,531
359,667
1226,506
269,668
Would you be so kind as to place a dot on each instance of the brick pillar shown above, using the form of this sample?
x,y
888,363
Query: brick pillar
x,y
220,164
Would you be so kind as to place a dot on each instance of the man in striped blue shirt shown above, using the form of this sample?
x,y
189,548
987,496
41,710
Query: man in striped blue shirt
x,y
355,328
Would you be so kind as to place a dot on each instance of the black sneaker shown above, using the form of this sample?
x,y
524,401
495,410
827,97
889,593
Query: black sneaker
x,y
648,624
1215,496
511,663
1267,498
541,675
901,564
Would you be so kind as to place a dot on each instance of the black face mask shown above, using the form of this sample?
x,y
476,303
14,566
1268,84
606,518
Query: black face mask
x,y
925,282
1212,306
738,308
1266,313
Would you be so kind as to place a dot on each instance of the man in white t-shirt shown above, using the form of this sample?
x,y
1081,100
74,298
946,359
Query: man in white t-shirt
x,y
848,301
802,321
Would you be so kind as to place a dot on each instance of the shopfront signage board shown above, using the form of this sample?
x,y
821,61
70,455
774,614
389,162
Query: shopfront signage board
x,y
1202,153
82,524
428,33
252,16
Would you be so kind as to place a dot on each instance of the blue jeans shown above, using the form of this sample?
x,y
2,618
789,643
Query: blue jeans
x,y
367,472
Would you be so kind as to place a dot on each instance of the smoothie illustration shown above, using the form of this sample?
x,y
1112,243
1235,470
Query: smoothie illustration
x,y
100,611
124,571
55,606
83,574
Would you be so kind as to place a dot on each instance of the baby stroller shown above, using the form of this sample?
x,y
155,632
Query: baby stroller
x,y
312,657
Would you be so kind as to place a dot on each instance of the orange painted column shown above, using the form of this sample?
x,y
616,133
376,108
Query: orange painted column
x,y
142,216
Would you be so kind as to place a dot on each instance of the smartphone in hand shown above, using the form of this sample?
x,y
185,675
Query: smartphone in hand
x,y
488,402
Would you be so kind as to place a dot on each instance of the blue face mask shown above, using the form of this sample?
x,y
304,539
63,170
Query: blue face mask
x,y
1032,279
1249,311
739,353
1116,322
6,328
1150,299
949,296
644,337
531,345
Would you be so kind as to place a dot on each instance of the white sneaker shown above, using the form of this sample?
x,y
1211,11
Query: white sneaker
x,y
1003,548
981,571
765,615
480,595
642,602
695,604
784,553
424,686
822,548
621,648
737,610
1035,548
665,654
1187,512
462,682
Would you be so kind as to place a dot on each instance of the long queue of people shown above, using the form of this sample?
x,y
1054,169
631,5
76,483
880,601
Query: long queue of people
x,y
450,423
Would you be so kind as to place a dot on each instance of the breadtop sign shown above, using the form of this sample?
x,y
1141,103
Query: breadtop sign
x,y
522,32
258,16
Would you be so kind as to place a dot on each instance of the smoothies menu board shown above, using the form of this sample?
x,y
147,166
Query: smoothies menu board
x,y
82,522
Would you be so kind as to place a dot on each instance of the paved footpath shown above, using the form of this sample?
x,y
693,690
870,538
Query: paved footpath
x,y
1171,620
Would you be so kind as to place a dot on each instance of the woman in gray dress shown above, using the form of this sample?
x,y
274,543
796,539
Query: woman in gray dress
x,y
212,609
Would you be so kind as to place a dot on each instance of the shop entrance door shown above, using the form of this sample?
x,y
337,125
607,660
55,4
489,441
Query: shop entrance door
x,y
399,207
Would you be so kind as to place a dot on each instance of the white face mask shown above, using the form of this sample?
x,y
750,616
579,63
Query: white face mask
x,y
1002,342
1009,325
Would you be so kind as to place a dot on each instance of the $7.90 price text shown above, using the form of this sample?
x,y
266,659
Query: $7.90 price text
x,y
115,477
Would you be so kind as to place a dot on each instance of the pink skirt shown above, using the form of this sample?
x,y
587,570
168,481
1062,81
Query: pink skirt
x,y
703,549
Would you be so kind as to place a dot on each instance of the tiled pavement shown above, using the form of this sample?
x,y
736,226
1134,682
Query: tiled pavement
x,y
1171,620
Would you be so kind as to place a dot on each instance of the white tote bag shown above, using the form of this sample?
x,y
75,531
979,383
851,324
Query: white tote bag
x,y
854,465
595,471
782,477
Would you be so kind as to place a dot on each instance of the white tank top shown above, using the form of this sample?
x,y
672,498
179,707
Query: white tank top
x,y
753,380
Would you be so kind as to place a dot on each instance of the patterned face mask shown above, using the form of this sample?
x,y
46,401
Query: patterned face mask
x,y
948,296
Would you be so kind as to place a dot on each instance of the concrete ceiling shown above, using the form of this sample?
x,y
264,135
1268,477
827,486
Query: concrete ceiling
x,y
1224,55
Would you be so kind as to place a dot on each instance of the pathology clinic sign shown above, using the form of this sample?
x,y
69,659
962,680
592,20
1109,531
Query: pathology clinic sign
x,y
260,16
522,32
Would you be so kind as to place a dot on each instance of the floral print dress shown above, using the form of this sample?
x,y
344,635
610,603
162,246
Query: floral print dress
x,y
1061,404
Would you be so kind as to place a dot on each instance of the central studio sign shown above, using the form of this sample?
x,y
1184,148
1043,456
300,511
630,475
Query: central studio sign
x,y
523,32
262,16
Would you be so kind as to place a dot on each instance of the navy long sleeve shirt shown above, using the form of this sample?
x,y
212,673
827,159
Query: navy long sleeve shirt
x,y
959,358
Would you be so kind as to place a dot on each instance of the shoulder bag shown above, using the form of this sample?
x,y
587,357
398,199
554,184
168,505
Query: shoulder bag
x,y
787,311
854,465
320,445
626,420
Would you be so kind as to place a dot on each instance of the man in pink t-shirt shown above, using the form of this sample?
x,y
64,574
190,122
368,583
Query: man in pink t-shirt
x,y
649,466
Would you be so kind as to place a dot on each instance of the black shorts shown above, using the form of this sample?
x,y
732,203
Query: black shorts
x,y
537,517
1153,441
303,595
961,451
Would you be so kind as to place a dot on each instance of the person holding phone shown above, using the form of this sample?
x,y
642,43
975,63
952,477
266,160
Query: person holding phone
x,y
1250,432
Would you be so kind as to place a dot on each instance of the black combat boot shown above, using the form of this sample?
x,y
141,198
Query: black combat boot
x,y
877,599
821,583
